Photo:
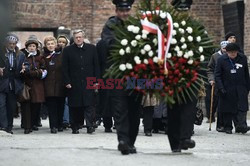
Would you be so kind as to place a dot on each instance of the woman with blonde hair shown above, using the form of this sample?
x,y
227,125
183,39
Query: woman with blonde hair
x,y
54,87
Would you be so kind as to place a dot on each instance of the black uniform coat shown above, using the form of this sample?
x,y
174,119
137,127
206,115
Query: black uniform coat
x,y
236,85
19,58
78,64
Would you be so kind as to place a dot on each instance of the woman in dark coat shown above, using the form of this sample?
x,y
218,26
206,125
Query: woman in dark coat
x,y
54,86
33,73
232,80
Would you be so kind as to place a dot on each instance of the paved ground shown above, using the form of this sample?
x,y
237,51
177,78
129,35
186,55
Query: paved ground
x,y
42,148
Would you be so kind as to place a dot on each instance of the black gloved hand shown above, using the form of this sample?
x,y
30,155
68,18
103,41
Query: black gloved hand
x,y
223,92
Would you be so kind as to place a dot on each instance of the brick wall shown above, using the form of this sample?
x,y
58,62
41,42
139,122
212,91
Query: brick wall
x,y
92,14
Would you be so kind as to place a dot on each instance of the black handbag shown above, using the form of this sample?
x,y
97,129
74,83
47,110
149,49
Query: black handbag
x,y
199,113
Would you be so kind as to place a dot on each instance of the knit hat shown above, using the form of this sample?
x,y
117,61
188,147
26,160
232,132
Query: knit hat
x,y
32,40
223,44
229,34
232,47
63,36
11,38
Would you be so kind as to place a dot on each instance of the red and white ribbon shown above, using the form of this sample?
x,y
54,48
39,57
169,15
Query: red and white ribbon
x,y
163,47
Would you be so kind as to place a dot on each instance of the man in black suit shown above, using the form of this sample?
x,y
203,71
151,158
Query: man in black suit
x,y
125,107
80,61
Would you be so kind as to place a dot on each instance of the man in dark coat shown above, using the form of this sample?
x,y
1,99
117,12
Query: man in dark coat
x,y
232,80
210,73
11,62
125,108
80,61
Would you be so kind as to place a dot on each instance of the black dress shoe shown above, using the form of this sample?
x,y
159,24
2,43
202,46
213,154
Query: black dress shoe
x,y
228,132
53,130
35,128
123,147
148,133
132,149
155,131
176,150
107,130
90,130
187,143
60,129
9,131
26,131
220,129
242,130
75,131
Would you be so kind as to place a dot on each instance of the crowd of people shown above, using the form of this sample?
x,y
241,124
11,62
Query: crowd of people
x,y
55,75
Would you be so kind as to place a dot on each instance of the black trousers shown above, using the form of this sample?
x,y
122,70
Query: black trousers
x,y
55,107
107,122
8,105
77,115
148,118
127,117
180,123
30,114
239,119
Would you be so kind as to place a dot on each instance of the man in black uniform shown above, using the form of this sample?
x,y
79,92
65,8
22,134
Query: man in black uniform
x,y
125,107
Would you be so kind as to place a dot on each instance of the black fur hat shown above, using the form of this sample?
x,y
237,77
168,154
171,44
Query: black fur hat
x,y
123,4
232,47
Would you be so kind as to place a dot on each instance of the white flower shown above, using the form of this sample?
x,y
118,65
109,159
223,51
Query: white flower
x,y
138,37
145,32
144,36
183,23
136,58
202,58
174,33
136,30
155,41
184,46
148,12
201,49
157,12
205,32
173,41
177,48
169,55
150,53
130,28
179,53
143,51
134,43
147,47
145,61
190,53
129,66
138,61
176,25
124,42
186,55
128,50
122,67
182,39
121,52
181,31
189,30
163,15
155,59
198,38
190,38
190,61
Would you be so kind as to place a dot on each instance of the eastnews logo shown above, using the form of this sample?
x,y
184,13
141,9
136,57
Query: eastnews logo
x,y
131,83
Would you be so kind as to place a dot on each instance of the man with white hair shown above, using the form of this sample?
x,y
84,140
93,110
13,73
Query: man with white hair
x,y
80,61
